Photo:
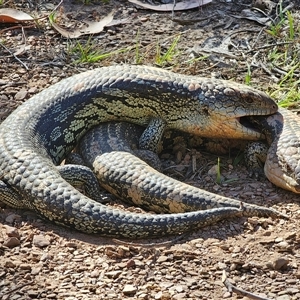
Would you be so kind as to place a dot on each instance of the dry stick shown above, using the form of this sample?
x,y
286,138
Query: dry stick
x,y
25,66
264,67
174,1
257,38
16,288
268,46
57,6
150,245
18,26
192,21
233,289
281,71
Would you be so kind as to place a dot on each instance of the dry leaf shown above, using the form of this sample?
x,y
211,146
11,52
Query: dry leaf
x,y
9,15
90,28
253,16
170,7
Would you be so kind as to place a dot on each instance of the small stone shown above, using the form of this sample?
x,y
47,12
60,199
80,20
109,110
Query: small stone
x,y
179,296
52,296
12,218
213,170
25,266
129,289
33,293
278,240
11,242
278,263
290,235
144,19
113,274
40,241
27,276
9,264
158,295
95,274
33,90
162,258
281,263
179,288
45,256
283,297
283,245
12,231
71,245
292,290
226,295
130,263
35,270
21,95
221,266
236,249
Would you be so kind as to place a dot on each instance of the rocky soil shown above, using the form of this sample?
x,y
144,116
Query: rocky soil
x,y
40,260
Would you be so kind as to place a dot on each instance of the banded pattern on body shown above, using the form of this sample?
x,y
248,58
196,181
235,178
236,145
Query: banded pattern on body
x,y
39,134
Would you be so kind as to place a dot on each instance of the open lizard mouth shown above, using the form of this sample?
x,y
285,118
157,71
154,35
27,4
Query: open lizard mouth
x,y
246,122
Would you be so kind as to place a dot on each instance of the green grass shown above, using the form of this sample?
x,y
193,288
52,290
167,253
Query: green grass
x,y
284,59
197,59
248,75
138,56
276,30
87,52
291,25
168,56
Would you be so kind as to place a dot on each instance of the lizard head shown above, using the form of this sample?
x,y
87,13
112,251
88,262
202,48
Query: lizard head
x,y
221,110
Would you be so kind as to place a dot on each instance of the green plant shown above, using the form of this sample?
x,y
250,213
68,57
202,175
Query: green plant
x,y
88,53
138,56
248,75
52,17
276,29
291,25
168,56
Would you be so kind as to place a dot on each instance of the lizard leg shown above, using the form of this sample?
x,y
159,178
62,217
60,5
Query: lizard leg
x,y
78,175
255,156
152,135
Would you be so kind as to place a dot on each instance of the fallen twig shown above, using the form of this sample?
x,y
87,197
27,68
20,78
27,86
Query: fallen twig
x,y
233,289
269,46
191,21
18,287
149,245
25,66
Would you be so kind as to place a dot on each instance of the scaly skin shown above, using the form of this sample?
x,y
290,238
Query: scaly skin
x,y
109,149
282,165
39,134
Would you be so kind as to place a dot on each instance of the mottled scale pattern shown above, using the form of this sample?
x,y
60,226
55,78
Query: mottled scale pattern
x,y
39,134
109,150
282,166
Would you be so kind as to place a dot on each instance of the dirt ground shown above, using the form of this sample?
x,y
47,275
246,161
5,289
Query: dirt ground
x,y
40,260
